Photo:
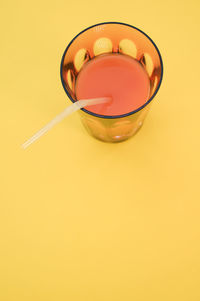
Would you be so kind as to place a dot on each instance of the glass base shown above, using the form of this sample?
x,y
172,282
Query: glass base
x,y
106,134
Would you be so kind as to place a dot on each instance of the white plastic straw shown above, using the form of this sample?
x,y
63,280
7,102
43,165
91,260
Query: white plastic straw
x,y
69,110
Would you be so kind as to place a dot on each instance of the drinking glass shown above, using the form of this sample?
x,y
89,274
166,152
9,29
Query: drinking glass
x,y
111,37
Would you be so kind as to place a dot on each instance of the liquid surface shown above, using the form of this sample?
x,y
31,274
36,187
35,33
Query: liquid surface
x,y
118,76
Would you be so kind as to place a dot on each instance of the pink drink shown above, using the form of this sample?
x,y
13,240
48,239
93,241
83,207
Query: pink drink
x,y
116,75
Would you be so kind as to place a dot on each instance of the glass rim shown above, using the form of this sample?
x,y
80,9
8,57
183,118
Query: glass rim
x,y
112,116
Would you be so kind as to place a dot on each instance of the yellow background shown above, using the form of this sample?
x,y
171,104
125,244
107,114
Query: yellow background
x,y
82,220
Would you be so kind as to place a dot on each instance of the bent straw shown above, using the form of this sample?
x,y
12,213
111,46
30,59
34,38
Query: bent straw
x,y
69,110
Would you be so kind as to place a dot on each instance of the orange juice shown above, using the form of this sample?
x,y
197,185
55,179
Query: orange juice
x,y
118,76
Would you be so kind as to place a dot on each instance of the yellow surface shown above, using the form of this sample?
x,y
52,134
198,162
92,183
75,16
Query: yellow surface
x,y
81,220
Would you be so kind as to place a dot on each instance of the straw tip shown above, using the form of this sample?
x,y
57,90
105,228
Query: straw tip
x,y
23,146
